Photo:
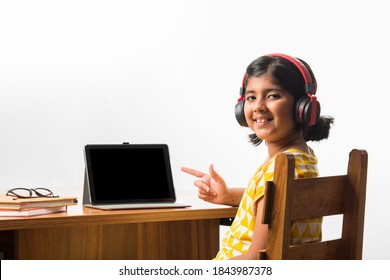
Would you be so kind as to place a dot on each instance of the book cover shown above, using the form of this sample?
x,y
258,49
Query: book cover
x,y
32,211
9,202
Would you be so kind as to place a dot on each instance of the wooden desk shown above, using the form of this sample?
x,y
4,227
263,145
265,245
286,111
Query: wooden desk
x,y
85,233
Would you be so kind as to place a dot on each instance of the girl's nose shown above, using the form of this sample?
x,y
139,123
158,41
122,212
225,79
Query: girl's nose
x,y
259,105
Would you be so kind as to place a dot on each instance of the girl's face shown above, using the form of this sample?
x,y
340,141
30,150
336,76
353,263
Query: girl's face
x,y
269,110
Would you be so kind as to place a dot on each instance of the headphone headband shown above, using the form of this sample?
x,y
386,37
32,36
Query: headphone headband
x,y
309,86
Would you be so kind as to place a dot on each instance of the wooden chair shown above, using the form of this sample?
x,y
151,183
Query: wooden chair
x,y
288,199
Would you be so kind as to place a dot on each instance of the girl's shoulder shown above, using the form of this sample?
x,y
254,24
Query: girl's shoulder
x,y
305,163
302,157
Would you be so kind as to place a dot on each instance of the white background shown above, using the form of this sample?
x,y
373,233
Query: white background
x,y
80,72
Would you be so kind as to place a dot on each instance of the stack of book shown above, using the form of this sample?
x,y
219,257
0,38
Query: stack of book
x,y
11,207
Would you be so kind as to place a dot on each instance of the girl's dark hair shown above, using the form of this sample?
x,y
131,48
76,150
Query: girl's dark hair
x,y
286,75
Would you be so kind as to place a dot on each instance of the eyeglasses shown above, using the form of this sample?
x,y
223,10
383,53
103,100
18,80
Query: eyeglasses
x,y
30,193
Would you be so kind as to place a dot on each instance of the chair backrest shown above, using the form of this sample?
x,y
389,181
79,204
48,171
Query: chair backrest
x,y
288,199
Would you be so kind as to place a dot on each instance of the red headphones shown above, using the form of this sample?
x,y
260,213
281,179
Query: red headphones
x,y
307,108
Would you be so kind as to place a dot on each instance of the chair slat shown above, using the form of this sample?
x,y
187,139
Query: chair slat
x,y
325,250
317,197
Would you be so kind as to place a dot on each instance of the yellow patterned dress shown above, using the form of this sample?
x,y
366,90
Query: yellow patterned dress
x,y
238,238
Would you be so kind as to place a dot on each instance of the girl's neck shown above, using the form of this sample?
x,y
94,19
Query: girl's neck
x,y
295,142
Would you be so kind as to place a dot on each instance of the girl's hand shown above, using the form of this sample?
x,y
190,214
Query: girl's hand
x,y
211,187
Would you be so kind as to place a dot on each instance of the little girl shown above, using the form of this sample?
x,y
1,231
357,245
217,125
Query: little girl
x,y
279,105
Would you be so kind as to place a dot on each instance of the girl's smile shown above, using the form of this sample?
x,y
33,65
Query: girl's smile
x,y
262,121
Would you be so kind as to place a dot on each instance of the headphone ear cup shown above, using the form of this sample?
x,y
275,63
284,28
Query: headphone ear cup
x,y
303,108
239,112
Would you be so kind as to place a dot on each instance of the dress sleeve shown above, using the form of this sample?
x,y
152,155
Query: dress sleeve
x,y
261,177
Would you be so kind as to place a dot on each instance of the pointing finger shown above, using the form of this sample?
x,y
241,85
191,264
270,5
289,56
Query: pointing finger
x,y
193,172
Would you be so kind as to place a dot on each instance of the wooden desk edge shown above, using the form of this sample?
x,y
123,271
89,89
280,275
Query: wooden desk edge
x,y
99,217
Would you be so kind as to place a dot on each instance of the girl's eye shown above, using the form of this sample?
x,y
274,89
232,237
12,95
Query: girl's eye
x,y
273,96
250,98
